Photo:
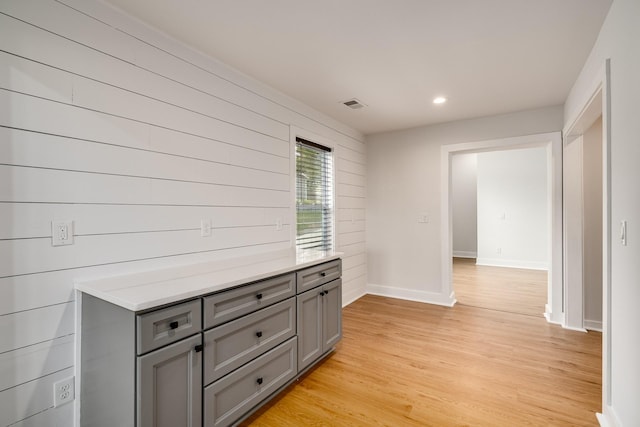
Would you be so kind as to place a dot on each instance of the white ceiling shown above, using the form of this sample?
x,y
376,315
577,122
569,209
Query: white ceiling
x,y
486,56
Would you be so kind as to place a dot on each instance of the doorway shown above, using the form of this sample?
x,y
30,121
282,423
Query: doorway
x,y
501,228
552,142
596,108
583,227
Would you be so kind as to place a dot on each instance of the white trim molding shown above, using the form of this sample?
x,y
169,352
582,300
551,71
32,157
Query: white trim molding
x,y
465,254
593,325
608,418
596,99
352,296
412,295
528,265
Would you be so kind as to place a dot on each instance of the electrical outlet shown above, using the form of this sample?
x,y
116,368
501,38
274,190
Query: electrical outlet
x,y
278,223
64,391
205,227
61,233
499,250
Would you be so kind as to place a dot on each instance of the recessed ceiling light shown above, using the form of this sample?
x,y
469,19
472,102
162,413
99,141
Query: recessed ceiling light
x,y
439,100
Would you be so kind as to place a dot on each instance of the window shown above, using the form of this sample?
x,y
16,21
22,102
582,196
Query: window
x,y
314,196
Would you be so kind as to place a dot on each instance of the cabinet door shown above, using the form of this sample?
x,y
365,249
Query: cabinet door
x,y
169,386
309,315
331,314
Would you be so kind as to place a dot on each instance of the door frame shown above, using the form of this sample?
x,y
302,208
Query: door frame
x,y
596,101
573,266
554,312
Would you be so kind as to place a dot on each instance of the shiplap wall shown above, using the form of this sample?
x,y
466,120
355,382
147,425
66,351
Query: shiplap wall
x,y
135,138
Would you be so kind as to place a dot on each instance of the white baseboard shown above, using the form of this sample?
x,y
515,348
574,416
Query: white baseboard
x,y
548,314
573,328
529,265
608,418
412,295
593,325
465,254
351,296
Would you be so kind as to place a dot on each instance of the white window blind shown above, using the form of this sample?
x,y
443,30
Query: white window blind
x,y
314,196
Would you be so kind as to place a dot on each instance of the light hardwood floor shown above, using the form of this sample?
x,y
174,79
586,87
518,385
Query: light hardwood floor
x,y
506,289
404,363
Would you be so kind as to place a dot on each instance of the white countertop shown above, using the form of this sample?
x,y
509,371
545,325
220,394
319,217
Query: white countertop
x,y
150,289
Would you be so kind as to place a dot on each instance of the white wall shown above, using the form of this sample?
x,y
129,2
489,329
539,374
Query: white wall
x,y
135,137
619,40
592,224
513,220
403,179
464,201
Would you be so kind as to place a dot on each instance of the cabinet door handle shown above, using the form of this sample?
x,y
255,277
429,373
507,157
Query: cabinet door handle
x,y
259,334
174,324
198,348
259,296
323,293
259,380
324,273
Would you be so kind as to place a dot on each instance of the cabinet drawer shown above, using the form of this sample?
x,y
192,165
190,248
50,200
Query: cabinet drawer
x,y
318,275
228,305
231,345
229,398
168,325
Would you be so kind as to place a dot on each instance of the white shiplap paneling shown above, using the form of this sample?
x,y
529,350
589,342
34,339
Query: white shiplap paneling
x,y
135,138
32,362
30,399
27,222
26,328
54,152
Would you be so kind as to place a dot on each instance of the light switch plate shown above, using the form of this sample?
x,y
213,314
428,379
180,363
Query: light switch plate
x,y
205,227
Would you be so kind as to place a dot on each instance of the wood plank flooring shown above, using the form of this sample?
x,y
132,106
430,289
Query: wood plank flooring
x,y
506,289
404,363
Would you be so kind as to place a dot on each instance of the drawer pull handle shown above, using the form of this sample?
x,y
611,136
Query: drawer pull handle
x,y
259,380
324,273
259,334
198,348
259,296
174,324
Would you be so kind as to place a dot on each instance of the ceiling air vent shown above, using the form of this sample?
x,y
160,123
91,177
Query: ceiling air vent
x,y
354,104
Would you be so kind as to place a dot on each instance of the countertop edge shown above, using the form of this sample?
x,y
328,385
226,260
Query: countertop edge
x,y
87,285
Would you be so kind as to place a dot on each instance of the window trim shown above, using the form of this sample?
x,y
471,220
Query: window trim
x,y
309,136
